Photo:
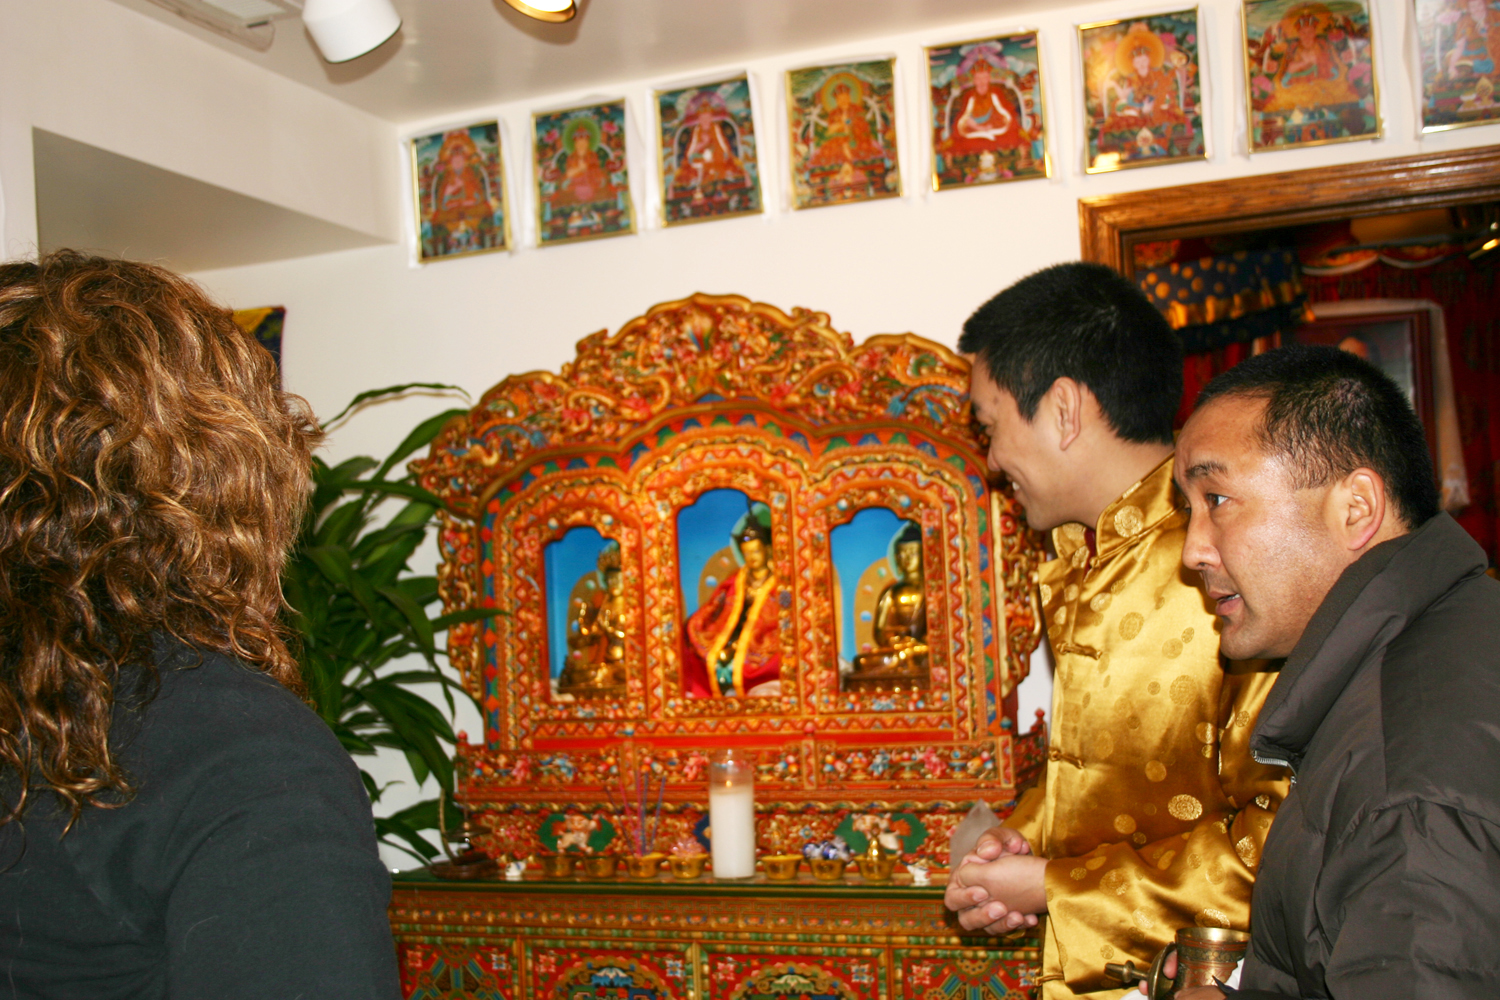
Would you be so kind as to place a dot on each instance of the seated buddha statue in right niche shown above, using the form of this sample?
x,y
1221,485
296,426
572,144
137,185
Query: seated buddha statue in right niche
x,y
899,655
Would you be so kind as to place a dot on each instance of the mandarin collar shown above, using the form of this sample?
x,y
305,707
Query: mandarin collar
x,y
1139,509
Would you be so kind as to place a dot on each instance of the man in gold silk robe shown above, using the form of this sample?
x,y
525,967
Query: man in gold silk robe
x,y
1151,813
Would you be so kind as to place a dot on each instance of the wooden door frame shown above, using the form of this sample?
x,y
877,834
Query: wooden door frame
x,y
1110,225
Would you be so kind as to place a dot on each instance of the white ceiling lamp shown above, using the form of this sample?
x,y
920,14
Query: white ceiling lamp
x,y
347,29
553,11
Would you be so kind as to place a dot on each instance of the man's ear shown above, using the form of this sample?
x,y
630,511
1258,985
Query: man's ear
x,y
1359,508
1067,406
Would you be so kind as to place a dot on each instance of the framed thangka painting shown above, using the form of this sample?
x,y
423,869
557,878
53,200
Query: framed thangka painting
x,y
987,115
1142,99
1460,42
706,149
460,196
582,182
1310,73
843,133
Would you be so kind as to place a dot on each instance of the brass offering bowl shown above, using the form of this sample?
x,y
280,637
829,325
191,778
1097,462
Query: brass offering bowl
x,y
876,869
644,865
781,867
827,869
688,865
599,865
557,865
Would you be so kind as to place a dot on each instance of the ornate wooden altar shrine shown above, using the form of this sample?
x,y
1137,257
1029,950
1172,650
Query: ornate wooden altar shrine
x,y
726,525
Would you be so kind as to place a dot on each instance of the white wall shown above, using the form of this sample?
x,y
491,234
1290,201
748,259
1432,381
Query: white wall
x,y
101,74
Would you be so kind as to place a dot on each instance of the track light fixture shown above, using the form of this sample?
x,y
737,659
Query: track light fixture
x,y
347,29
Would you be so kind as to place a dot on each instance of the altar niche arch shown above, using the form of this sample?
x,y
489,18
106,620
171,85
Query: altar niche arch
x,y
652,451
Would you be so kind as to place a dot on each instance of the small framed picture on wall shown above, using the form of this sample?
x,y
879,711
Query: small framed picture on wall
x,y
1142,95
582,180
707,152
1460,42
843,133
1310,73
988,120
459,182
1398,342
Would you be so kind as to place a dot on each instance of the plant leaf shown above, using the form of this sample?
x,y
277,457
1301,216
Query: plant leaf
x,y
421,435
391,390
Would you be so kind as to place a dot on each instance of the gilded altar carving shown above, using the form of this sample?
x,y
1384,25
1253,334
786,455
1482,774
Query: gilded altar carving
x,y
726,484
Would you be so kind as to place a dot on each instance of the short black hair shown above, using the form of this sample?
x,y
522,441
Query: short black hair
x,y
1329,412
1090,324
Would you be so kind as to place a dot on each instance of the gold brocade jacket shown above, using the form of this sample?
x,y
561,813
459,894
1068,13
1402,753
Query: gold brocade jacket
x,y
1151,812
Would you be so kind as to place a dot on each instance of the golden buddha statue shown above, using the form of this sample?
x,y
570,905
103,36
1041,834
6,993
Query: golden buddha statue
x,y
596,633
899,658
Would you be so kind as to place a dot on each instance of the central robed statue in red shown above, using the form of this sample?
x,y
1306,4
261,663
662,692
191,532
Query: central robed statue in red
x,y
732,644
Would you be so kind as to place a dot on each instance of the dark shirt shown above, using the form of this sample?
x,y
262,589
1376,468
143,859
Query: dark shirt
x,y
245,866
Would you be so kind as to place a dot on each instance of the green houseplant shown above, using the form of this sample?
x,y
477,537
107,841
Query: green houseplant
x,y
365,638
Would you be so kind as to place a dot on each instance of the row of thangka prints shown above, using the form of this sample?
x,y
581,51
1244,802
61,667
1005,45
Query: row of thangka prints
x,y
1310,80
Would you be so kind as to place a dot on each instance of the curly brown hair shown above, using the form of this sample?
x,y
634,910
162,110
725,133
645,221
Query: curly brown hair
x,y
152,480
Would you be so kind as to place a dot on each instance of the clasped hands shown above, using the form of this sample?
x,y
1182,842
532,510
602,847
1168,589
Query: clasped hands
x,y
1000,886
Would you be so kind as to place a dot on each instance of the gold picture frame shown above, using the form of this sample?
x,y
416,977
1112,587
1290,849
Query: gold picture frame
x,y
961,75
707,155
851,155
1143,95
582,187
1310,75
1457,88
459,192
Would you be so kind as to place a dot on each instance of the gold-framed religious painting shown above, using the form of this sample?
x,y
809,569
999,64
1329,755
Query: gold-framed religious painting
x,y
582,179
707,153
988,119
1310,73
1142,98
843,133
1460,41
459,182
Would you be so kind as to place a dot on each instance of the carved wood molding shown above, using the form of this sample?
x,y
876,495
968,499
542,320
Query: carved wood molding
x,y
1111,224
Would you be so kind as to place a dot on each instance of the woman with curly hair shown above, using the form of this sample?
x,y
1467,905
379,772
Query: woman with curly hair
x,y
174,822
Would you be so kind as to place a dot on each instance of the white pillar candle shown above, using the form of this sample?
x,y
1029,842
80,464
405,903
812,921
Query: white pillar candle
x,y
731,818
731,813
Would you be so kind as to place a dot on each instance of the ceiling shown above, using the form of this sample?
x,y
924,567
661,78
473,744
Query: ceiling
x,y
88,198
454,55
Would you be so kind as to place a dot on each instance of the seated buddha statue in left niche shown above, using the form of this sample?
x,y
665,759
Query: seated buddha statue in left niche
x,y
597,624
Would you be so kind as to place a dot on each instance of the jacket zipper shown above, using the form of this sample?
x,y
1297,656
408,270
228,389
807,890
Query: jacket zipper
x,y
1276,762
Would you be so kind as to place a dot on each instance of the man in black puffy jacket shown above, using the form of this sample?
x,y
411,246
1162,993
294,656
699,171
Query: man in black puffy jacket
x,y
1316,531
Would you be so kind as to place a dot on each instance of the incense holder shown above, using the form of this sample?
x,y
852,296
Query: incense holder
x,y
686,866
644,865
